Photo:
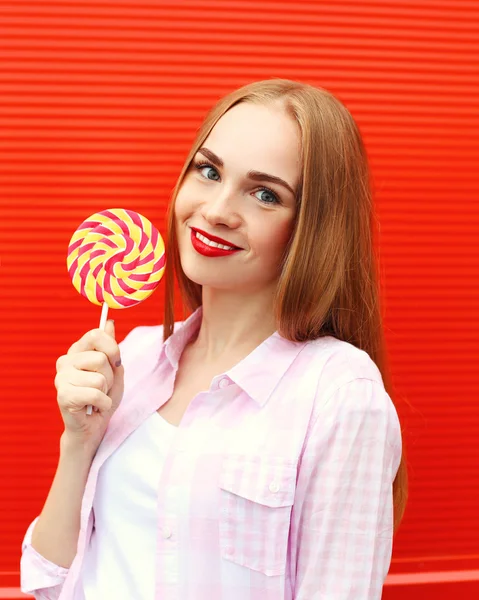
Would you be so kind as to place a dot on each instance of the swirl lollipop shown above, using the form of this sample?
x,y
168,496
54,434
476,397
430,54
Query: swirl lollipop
x,y
116,259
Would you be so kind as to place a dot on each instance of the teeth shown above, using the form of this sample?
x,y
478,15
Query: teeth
x,y
210,243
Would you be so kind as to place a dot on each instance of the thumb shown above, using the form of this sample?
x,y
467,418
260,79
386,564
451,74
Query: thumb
x,y
110,328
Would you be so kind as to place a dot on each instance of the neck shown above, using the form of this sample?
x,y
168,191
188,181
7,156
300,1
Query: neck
x,y
233,324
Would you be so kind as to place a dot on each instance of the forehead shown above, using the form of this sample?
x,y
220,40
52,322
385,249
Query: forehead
x,y
262,137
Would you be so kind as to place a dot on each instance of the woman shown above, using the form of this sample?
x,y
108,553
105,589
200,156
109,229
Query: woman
x,y
251,451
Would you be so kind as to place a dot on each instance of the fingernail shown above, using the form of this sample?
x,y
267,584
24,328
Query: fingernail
x,y
118,363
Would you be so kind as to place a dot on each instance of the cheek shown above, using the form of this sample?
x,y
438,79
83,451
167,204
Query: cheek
x,y
184,208
186,194
180,205
272,239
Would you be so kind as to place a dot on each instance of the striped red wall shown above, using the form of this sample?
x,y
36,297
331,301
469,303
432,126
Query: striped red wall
x,y
100,100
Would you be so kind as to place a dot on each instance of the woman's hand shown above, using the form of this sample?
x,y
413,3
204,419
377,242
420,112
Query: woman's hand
x,y
90,374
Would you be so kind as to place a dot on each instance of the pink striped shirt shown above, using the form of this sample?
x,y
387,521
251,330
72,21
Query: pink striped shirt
x,y
284,468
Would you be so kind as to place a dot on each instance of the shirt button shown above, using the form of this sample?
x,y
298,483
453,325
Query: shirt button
x,y
224,383
274,487
166,533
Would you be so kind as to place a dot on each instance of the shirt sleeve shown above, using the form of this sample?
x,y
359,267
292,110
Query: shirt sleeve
x,y
38,576
342,522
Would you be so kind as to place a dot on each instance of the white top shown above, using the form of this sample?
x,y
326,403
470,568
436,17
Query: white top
x,y
120,562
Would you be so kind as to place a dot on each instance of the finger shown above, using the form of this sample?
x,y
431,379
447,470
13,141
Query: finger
x,y
110,328
93,360
96,339
74,399
85,379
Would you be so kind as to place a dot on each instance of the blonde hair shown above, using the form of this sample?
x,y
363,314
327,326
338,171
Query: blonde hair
x,y
329,282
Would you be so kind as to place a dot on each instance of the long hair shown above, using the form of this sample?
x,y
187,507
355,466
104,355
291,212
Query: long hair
x,y
329,282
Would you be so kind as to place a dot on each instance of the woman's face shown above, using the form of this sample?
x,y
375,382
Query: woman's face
x,y
241,187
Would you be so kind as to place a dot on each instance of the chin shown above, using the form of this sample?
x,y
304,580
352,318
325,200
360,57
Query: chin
x,y
208,279
211,282
196,274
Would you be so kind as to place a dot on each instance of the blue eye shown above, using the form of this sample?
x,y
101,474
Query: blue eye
x,y
207,171
267,196
211,172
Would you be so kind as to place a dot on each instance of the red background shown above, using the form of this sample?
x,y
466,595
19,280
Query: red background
x,y
99,103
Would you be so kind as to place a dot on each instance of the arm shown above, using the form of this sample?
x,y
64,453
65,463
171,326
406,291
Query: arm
x,y
55,535
342,525
38,576
50,543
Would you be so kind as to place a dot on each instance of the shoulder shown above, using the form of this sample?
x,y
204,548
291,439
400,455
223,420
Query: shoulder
x,y
139,339
341,362
143,345
140,352
350,386
327,363
335,364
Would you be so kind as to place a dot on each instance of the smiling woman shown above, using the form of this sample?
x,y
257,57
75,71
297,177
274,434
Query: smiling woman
x,y
256,450
307,266
305,143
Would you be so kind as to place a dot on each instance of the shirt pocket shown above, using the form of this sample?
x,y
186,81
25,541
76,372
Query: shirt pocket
x,y
256,498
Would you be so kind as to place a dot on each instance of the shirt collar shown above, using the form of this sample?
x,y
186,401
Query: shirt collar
x,y
184,331
257,374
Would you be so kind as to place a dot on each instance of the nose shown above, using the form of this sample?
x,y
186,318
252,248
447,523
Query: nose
x,y
221,208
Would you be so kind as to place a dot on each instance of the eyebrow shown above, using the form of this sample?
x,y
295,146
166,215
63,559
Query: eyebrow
x,y
254,175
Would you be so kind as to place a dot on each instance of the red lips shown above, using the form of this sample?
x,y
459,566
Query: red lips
x,y
215,238
210,251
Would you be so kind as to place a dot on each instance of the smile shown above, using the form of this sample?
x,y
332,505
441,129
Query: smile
x,y
207,247
208,238
212,244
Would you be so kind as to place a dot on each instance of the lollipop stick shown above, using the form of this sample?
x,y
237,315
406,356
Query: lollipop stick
x,y
104,316
103,319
